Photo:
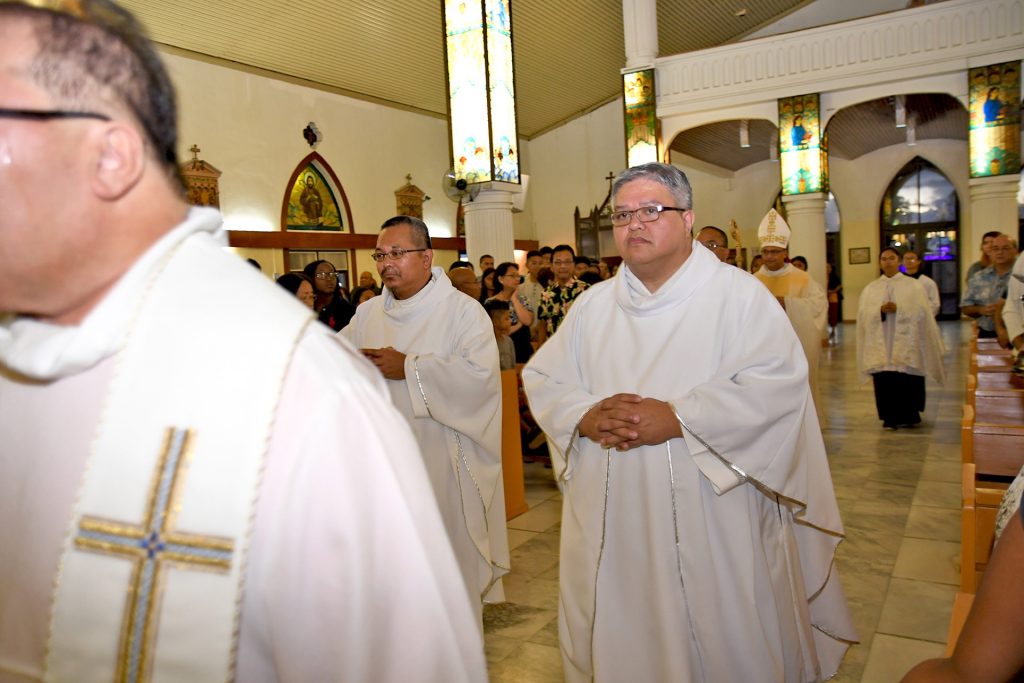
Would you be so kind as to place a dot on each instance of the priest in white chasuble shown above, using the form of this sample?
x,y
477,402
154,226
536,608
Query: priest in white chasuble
x,y
435,347
898,343
699,523
803,299
190,489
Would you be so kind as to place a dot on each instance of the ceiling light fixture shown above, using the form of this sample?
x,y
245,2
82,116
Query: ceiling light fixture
x,y
744,133
912,130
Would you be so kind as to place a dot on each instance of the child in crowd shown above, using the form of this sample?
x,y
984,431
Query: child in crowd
x,y
501,318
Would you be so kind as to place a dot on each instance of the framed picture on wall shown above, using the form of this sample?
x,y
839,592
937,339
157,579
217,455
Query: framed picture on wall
x,y
860,255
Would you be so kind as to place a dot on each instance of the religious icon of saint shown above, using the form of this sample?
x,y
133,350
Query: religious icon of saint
x,y
312,202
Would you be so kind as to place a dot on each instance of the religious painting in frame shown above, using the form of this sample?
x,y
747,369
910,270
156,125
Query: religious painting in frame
x,y
802,151
638,98
315,200
994,111
860,255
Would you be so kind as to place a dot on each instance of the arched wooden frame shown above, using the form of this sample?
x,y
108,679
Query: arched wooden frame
x,y
321,165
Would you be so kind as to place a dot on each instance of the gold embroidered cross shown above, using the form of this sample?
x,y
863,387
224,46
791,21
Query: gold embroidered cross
x,y
152,546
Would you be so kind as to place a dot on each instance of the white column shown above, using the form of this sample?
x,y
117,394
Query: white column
x,y
805,214
489,226
993,207
640,30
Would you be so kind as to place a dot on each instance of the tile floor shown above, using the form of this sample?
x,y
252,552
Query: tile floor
x,y
899,496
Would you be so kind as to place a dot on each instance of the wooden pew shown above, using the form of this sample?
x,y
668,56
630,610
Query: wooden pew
x,y
977,525
996,380
996,449
511,447
991,362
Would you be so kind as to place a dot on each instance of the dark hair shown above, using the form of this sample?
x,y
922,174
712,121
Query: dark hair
x,y
663,174
485,256
544,276
485,292
590,277
496,306
291,281
564,247
460,264
310,269
533,252
546,250
420,233
580,259
255,264
991,234
502,271
99,50
801,259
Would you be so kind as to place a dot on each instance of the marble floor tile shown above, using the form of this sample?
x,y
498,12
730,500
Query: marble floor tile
x,y
531,591
917,609
933,523
532,563
927,560
498,647
939,494
544,543
517,537
540,517
891,657
515,620
547,635
530,662
941,470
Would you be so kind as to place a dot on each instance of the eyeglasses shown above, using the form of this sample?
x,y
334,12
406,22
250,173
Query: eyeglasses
x,y
645,214
562,263
394,254
50,114
326,276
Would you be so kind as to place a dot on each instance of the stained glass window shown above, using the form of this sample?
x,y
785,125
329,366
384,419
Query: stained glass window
x,y
641,120
994,99
802,149
481,90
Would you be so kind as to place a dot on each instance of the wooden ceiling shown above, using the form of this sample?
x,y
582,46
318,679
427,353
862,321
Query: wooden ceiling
x,y
568,52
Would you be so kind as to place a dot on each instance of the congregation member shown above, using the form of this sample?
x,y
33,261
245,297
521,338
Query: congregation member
x,y
699,521
506,278
803,299
898,343
985,260
755,263
912,269
715,239
366,281
488,287
1013,310
581,264
330,306
501,319
799,262
987,286
531,288
435,347
486,263
299,286
557,299
546,254
463,280
228,493
834,293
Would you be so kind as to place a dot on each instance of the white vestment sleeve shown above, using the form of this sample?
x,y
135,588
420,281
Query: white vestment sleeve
x,y
1013,311
460,390
355,579
809,310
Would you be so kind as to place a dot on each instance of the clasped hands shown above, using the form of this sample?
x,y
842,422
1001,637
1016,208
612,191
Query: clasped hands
x,y
626,421
889,307
391,363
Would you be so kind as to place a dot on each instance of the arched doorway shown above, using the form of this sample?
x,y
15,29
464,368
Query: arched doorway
x,y
920,211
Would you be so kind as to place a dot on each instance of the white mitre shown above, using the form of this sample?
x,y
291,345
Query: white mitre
x,y
773,231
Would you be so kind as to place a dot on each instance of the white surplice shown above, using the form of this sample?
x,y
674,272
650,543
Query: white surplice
x,y
931,290
907,341
678,564
807,309
346,561
451,399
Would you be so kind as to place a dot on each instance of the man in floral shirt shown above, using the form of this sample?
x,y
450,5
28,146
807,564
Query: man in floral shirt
x,y
988,286
558,297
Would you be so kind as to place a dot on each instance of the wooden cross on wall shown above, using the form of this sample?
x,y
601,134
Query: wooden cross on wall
x,y
152,547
